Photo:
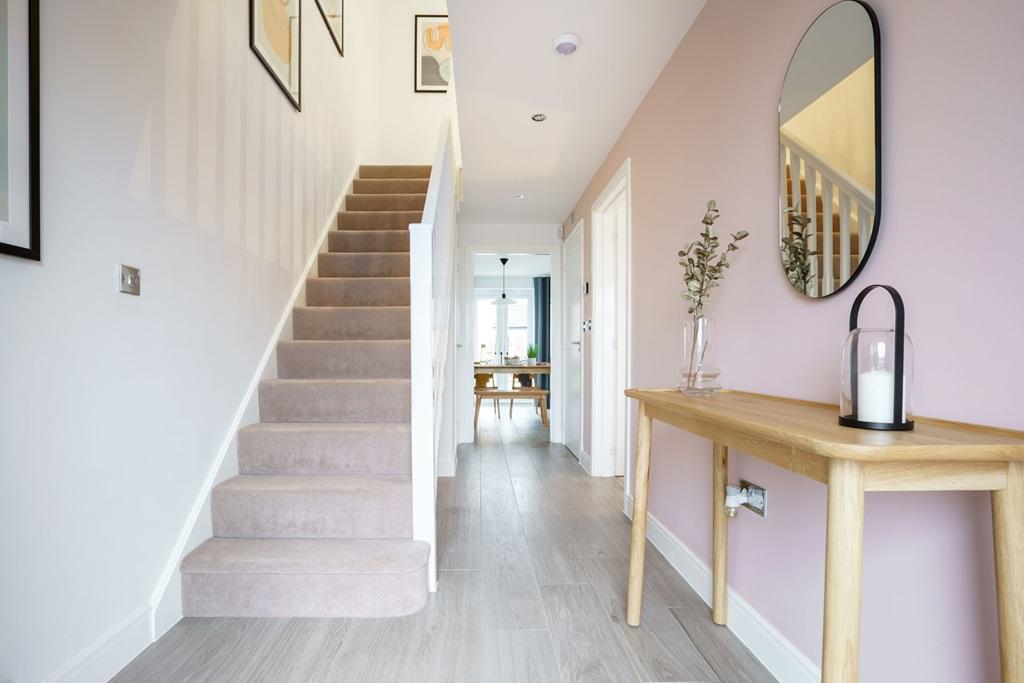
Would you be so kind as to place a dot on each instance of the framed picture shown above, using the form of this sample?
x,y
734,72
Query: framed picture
x,y
333,12
433,54
275,35
19,129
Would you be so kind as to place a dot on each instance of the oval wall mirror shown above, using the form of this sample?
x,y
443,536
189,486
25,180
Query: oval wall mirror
x,y
830,151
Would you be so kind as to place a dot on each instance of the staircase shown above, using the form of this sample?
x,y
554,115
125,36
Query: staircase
x,y
318,523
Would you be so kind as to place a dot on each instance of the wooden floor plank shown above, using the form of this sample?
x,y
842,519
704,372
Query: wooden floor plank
x,y
519,657
511,596
587,645
459,539
726,655
661,650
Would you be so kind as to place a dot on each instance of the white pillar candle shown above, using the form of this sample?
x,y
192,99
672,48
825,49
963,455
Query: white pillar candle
x,y
874,396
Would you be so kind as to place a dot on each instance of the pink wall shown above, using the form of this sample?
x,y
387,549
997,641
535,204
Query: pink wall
x,y
951,241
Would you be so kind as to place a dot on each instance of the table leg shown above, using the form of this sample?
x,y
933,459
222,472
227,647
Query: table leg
x,y
1008,534
844,546
719,536
638,539
544,411
476,414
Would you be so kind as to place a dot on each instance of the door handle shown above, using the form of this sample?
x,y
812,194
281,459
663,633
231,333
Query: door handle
x,y
575,343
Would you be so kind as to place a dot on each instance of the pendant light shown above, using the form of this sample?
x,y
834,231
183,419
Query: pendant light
x,y
503,300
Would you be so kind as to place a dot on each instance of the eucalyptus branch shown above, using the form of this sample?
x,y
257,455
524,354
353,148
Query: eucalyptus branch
x,y
796,253
704,263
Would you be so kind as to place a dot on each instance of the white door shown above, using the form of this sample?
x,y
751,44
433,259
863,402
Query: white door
x,y
573,326
610,336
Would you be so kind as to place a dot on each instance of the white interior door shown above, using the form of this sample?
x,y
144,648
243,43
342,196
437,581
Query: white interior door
x,y
573,325
610,333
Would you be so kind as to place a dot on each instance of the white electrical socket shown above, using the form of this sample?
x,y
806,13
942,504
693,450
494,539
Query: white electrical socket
x,y
757,497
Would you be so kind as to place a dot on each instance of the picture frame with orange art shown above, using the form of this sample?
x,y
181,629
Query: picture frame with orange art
x,y
432,69
275,35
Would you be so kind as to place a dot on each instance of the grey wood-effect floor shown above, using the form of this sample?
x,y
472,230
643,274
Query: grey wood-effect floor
x,y
532,588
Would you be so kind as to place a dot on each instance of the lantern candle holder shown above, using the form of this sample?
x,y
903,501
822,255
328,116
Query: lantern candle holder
x,y
877,371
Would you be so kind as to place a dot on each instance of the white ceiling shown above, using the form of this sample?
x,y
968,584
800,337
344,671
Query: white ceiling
x,y
506,70
518,265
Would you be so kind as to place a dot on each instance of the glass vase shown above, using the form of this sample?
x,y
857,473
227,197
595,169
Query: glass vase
x,y
699,374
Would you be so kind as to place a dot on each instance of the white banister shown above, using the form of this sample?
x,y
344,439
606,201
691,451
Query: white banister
x,y
432,248
854,203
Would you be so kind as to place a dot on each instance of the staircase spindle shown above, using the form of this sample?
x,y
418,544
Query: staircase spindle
x,y
827,236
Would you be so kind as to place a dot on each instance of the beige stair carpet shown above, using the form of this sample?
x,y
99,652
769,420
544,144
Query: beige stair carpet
x,y
318,523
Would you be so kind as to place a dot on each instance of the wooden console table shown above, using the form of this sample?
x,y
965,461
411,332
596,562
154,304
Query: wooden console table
x,y
804,437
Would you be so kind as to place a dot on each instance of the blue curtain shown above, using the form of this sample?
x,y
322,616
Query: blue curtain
x,y
542,327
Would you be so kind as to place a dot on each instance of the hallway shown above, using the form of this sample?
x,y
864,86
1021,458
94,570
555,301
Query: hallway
x,y
532,560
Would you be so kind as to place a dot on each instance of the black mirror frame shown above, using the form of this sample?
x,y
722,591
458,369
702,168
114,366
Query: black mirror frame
x,y
877,37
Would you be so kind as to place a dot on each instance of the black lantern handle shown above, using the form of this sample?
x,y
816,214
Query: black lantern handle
x,y
897,302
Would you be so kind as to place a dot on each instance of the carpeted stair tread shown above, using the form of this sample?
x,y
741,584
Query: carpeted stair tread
x,y
378,220
362,241
364,264
324,359
334,400
325,448
385,202
350,322
394,171
357,291
390,185
313,506
307,556
312,578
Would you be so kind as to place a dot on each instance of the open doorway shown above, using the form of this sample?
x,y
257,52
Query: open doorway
x,y
511,337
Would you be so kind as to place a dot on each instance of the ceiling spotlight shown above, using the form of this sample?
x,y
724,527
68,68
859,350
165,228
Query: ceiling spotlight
x,y
519,196
566,43
539,117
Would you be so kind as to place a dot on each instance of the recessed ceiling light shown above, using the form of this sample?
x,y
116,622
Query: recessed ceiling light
x,y
539,117
566,43
519,196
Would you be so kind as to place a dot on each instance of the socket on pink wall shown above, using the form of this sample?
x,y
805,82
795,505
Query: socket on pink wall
x,y
951,240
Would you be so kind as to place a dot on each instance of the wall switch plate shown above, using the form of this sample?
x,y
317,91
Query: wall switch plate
x,y
757,497
131,280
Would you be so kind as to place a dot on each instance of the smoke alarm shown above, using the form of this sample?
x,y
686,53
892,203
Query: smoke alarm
x,y
566,43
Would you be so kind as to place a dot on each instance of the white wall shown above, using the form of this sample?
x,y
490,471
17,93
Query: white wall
x,y
411,119
165,145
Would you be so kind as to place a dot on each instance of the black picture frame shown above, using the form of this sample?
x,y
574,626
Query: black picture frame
x,y
296,100
33,252
415,51
339,41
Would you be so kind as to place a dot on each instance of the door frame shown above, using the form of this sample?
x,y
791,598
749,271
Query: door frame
x,y
608,388
464,379
575,233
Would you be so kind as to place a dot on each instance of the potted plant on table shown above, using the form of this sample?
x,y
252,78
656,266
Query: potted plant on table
x,y
531,354
704,263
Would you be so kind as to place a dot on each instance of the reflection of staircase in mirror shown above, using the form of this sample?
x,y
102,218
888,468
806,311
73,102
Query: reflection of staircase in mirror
x,y
848,222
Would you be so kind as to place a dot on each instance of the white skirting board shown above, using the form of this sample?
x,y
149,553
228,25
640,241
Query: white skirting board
x,y
772,649
585,461
111,651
